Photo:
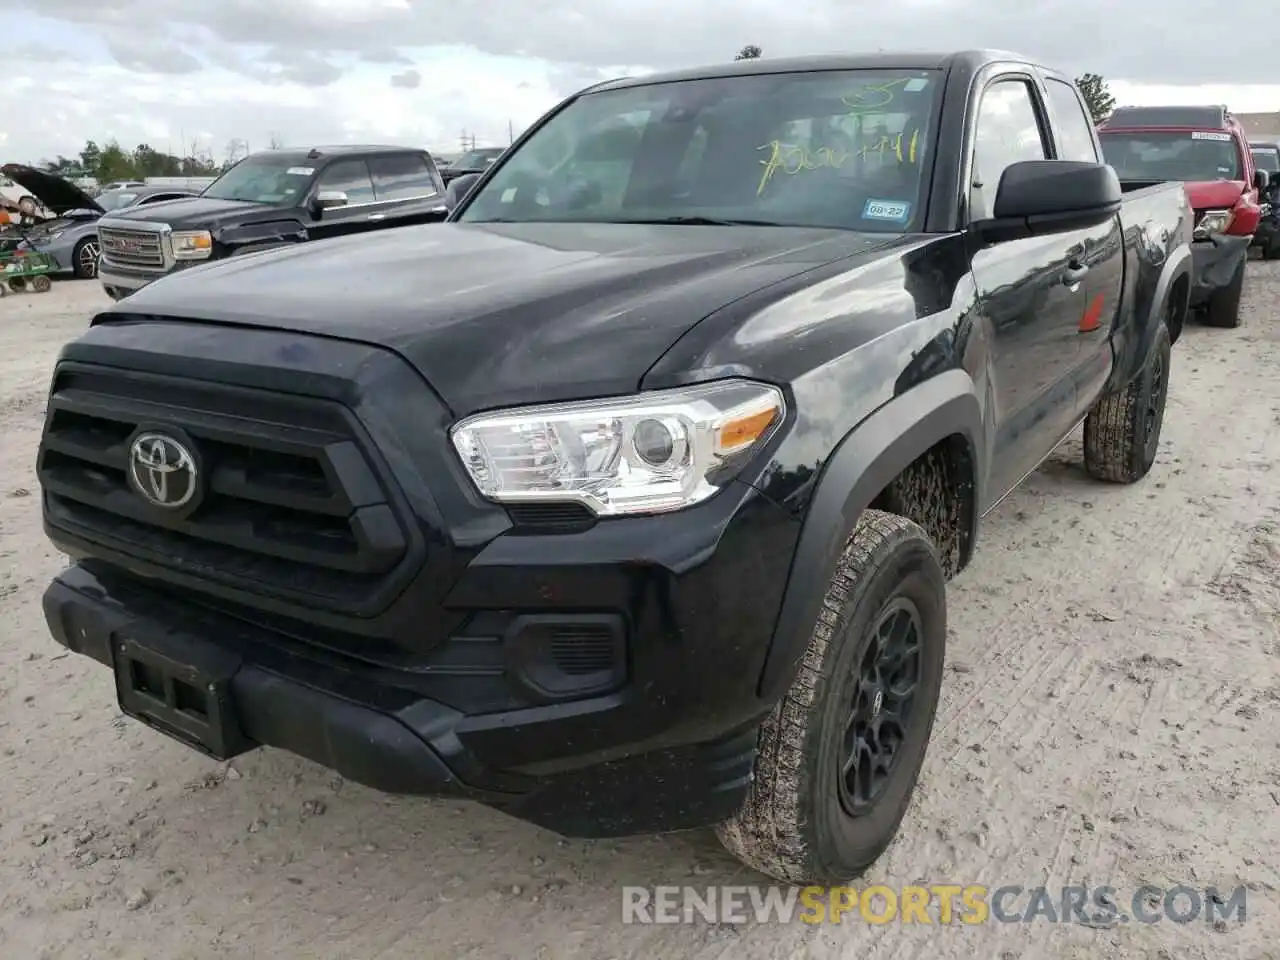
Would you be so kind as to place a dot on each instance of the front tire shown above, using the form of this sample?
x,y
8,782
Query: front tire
x,y
84,259
1122,431
1223,309
841,753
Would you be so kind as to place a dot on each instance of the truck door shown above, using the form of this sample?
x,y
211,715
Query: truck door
x,y
350,177
1103,251
1031,293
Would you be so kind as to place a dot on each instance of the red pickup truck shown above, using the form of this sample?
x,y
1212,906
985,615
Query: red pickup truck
x,y
1206,148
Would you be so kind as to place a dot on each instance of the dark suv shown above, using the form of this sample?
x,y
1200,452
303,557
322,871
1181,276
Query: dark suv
x,y
272,199
1266,156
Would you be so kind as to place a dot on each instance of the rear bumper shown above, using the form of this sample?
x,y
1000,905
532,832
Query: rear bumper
x,y
367,727
1214,263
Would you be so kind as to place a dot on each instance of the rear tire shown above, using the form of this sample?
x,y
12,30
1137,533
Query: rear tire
x,y
1223,308
1122,431
41,284
804,819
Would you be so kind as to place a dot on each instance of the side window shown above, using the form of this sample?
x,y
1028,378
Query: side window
x,y
1073,127
349,176
401,176
1007,131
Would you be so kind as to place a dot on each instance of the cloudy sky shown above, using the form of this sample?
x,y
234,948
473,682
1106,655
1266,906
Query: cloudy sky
x,y
167,72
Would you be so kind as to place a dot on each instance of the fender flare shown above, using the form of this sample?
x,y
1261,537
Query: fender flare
x,y
1178,265
863,464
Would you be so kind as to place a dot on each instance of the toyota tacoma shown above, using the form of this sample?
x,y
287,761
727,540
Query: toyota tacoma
x,y
625,500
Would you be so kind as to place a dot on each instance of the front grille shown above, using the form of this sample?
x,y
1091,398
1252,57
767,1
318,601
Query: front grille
x,y
291,506
133,248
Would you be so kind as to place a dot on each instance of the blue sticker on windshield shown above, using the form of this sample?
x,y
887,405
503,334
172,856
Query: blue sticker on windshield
x,y
897,211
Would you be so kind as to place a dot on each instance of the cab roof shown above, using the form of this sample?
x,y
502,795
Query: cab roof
x,y
972,59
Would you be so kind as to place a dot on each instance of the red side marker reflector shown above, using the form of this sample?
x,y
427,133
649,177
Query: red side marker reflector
x,y
1091,319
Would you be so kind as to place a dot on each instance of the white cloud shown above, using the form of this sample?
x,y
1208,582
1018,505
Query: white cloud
x,y
317,71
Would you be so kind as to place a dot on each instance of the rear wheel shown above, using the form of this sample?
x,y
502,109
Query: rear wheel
x,y
1122,431
841,753
41,284
84,258
1223,309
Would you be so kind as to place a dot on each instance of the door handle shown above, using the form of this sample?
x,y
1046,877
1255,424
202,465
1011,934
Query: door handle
x,y
1074,273
377,216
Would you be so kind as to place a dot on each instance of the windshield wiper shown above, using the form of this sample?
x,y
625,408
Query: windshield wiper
x,y
704,222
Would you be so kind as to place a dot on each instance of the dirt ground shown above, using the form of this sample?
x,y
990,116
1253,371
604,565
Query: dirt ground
x,y
1111,715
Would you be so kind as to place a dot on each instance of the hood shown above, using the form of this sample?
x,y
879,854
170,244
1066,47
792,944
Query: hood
x,y
54,193
197,212
1213,194
498,314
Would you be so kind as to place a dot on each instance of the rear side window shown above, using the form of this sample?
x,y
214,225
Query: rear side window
x,y
350,177
1072,125
1008,132
402,176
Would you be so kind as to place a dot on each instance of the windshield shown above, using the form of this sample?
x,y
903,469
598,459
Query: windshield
x,y
477,159
1266,158
844,149
115,199
1182,155
263,180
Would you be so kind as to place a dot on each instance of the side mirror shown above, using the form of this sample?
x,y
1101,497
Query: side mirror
x,y
327,200
1037,197
458,189
1261,180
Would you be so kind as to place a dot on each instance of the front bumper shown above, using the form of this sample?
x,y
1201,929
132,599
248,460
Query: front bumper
x,y
120,281
672,748
1214,264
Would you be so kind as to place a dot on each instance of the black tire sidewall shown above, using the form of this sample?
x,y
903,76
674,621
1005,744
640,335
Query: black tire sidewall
x,y
911,570
1145,450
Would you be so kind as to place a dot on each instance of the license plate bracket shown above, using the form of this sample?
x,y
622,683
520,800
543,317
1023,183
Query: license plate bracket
x,y
181,688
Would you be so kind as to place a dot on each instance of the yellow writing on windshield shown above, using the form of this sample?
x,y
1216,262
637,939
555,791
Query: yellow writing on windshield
x,y
873,97
902,147
792,158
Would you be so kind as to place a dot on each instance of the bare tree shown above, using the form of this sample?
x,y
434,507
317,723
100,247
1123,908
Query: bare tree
x,y
749,52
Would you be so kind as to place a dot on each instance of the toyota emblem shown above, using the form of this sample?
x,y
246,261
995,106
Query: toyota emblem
x,y
162,470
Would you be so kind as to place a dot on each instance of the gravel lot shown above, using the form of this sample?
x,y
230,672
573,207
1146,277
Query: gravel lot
x,y
1111,716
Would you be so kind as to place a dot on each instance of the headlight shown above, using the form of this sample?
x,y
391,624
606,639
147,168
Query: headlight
x,y
650,453
50,236
192,244
1214,221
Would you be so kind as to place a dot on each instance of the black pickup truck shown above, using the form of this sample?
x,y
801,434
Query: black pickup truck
x,y
271,199
625,500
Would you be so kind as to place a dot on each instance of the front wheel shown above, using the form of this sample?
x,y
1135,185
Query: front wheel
x,y
84,258
840,755
1223,309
